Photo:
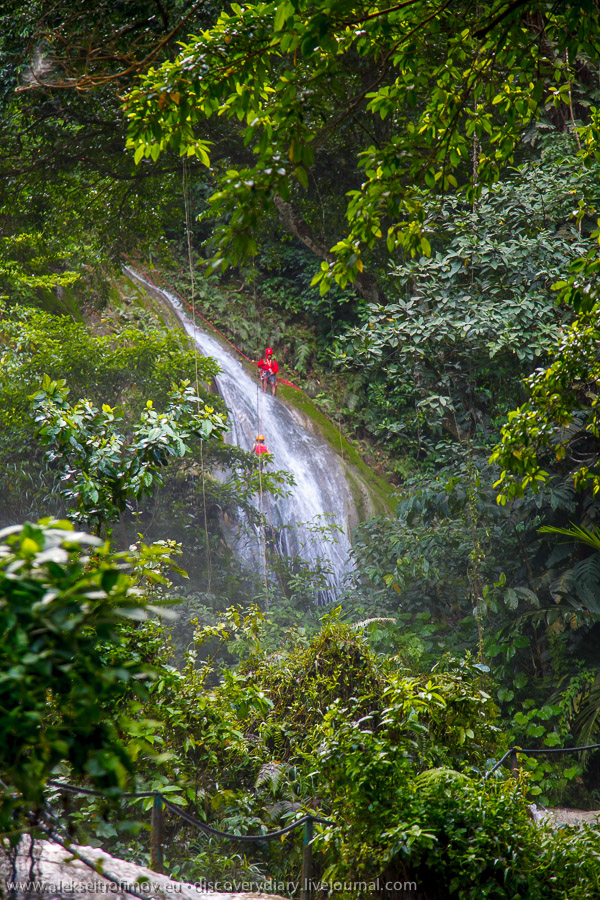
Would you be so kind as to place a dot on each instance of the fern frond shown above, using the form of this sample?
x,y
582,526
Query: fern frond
x,y
270,776
586,577
281,808
442,774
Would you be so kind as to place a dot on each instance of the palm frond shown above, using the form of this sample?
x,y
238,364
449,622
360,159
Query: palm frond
x,y
589,536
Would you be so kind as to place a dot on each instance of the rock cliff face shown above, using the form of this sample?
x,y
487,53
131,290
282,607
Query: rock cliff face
x,y
46,869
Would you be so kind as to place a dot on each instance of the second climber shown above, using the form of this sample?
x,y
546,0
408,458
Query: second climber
x,y
259,446
268,368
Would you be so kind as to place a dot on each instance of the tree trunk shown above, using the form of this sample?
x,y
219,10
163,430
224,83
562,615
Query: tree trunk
x,y
365,284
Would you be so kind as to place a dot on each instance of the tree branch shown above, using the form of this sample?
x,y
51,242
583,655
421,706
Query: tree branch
x,y
512,7
365,284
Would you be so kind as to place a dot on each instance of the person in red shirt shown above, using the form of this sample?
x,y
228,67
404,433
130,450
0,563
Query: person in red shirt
x,y
268,369
260,447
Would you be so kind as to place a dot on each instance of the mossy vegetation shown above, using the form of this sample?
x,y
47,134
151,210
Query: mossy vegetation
x,y
61,301
372,494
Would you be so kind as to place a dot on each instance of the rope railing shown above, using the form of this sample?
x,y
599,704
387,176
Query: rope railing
x,y
157,827
308,821
512,753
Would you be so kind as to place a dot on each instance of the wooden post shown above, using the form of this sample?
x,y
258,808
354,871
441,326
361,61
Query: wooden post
x,y
306,892
156,837
514,765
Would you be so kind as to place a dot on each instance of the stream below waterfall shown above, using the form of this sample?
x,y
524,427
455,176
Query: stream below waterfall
x,y
312,523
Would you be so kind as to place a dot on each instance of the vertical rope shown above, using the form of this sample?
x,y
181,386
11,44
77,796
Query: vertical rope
x,y
208,559
277,550
337,397
339,425
262,531
263,539
256,321
188,230
258,415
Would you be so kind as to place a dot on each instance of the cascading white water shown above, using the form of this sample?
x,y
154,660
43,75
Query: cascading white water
x,y
318,501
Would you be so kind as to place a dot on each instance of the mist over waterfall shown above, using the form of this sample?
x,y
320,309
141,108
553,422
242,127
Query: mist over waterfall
x,y
313,522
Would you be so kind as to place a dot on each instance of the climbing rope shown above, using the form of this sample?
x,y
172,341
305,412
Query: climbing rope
x,y
262,533
188,229
258,412
259,391
276,548
263,540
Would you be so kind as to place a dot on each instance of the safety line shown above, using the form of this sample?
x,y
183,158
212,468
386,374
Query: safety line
x,y
188,230
192,820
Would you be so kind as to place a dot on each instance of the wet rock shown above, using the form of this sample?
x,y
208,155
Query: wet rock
x,y
47,870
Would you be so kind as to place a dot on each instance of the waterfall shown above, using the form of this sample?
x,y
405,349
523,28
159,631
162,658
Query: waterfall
x,y
318,499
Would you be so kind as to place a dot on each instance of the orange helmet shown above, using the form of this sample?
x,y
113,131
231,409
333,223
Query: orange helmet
x,y
260,437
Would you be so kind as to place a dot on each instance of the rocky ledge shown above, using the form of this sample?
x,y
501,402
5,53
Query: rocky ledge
x,y
46,869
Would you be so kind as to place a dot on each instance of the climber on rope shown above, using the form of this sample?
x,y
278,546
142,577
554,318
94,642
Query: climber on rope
x,y
259,446
268,369
261,450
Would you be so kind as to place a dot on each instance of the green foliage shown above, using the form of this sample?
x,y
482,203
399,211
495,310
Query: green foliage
x,y
267,310
479,313
458,572
65,691
120,367
297,73
28,266
327,725
402,121
102,363
424,560
557,427
101,470
111,360
69,196
126,442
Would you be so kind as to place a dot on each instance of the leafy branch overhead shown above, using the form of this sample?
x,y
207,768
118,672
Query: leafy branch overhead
x,y
100,468
441,105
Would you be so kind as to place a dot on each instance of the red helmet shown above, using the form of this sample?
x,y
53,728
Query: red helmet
x,y
268,352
